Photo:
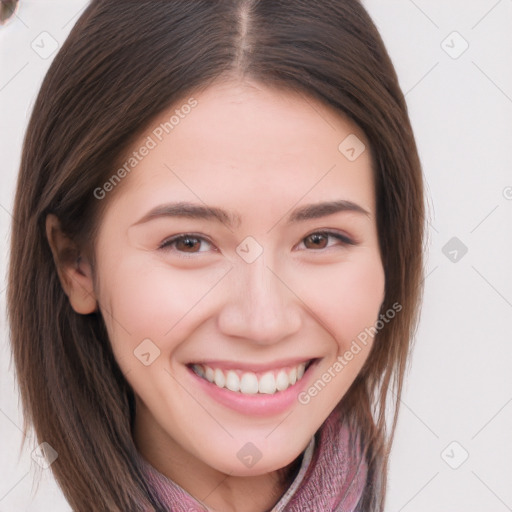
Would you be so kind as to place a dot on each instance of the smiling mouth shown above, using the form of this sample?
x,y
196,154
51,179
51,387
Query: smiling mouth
x,y
252,383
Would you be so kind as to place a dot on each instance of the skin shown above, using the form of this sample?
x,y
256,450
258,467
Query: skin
x,y
260,153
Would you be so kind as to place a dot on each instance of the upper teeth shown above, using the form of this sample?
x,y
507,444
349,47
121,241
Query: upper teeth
x,y
250,383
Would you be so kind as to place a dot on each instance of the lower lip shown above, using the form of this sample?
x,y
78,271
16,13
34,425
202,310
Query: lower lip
x,y
257,404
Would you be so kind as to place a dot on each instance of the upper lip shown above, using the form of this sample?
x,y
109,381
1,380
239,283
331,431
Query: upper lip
x,y
254,367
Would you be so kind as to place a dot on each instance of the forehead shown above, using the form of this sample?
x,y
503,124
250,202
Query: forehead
x,y
245,143
233,121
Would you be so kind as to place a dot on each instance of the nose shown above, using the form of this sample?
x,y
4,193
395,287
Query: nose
x,y
260,306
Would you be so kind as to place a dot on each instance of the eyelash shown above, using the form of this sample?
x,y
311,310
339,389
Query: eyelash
x,y
167,244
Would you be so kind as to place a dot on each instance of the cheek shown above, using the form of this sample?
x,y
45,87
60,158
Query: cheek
x,y
345,297
156,301
148,299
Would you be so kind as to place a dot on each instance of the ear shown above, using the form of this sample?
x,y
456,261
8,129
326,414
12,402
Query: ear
x,y
75,272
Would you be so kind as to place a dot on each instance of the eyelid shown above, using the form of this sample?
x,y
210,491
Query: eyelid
x,y
340,236
166,245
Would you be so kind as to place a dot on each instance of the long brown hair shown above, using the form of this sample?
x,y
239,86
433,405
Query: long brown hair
x,y
122,65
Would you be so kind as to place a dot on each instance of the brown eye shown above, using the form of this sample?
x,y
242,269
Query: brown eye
x,y
185,244
320,240
188,244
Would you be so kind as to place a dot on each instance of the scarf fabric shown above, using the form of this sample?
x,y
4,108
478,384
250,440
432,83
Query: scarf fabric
x,y
329,479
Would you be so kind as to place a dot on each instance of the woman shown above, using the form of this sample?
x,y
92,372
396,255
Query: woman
x,y
217,257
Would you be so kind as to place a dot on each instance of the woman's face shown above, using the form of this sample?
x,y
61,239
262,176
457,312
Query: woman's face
x,y
280,265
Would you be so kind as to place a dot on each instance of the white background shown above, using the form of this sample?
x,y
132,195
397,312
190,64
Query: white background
x,y
459,388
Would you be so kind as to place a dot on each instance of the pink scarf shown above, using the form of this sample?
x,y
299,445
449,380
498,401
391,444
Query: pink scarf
x,y
328,481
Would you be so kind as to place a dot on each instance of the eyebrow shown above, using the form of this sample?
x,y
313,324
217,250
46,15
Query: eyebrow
x,y
231,219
